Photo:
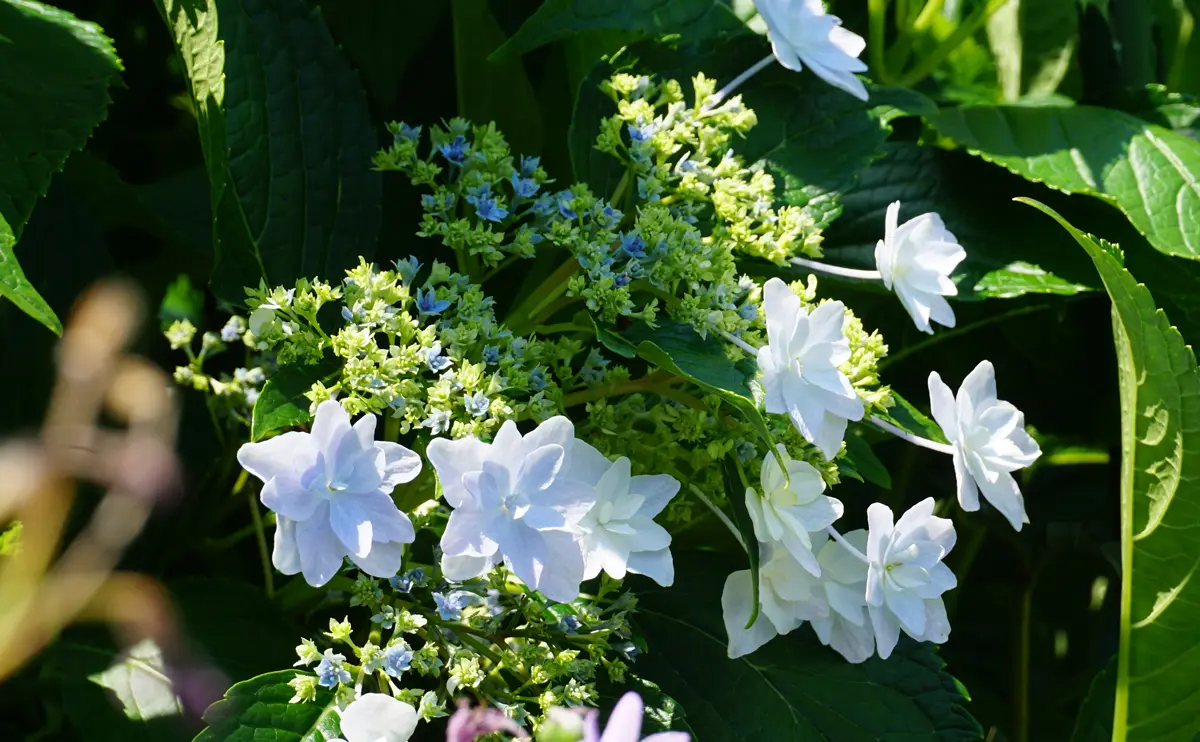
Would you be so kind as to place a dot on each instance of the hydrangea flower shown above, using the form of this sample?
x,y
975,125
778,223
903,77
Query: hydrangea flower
x,y
915,259
486,207
429,304
905,574
455,151
802,33
377,717
989,440
846,628
789,596
331,492
450,606
469,724
791,506
799,367
620,534
397,659
513,503
331,670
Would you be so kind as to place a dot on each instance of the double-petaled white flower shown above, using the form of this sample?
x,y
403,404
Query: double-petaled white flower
x,y
377,717
915,259
791,507
619,532
802,33
799,365
846,627
331,492
514,501
788,594
905,574
989,440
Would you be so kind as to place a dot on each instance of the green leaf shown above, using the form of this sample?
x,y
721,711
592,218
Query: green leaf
x,y
1159,656
975,200
1148,172
863,463
258,709
54,91
16,287
493,91
139,681
903,415
1033,42
282,403
10,539
181,301
694,20
287,141
793,689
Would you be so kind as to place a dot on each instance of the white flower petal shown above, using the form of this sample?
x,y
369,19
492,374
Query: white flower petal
x,y
285,556
351,525
452,459
463,568
399,465
737,603
321,552
377,717
887,630
382,561
657,565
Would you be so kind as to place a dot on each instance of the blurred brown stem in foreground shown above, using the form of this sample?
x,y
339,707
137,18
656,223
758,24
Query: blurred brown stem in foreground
x,y
46,584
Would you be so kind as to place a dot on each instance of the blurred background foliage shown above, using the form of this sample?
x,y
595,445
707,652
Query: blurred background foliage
x,y
1035,616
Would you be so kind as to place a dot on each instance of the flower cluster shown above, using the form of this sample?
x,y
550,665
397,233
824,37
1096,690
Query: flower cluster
x,y
235,392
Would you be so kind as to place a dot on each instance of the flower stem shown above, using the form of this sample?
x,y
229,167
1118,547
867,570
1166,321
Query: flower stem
x,y
876,38
655,382
719,513
736,83
914,439
897,56
835,270
847,545
260,536
965,30
550,289
738,342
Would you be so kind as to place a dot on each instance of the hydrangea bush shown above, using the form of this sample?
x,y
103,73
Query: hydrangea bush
x,y
614,413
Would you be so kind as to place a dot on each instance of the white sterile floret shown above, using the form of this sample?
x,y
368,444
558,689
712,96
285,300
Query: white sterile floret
x,y
915,259
377,717
791,506
989,440
789,596
846,627
802,33
514,502
620,534
905,574
799,365
331,492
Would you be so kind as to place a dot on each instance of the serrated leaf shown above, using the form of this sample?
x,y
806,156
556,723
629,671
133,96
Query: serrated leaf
x,y
1146,171
287,141
140,683
1020,278
54,91
259,709
282,403
694,20
974,200
15,287
793,689
1159,656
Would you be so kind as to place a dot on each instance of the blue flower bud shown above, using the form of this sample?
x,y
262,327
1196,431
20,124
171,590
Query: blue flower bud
x,y
455,152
